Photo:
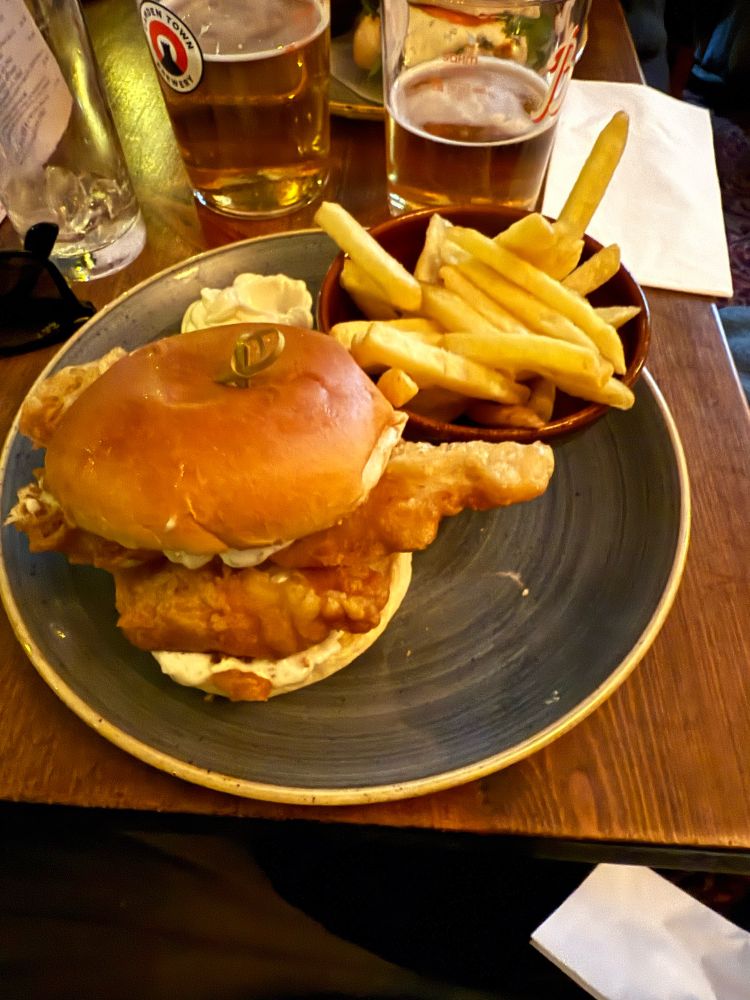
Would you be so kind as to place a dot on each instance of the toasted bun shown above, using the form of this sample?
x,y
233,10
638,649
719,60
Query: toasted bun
x,y
258,680
157,454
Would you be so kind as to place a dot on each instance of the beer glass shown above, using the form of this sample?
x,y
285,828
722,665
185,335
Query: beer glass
x,y
246,88
472,92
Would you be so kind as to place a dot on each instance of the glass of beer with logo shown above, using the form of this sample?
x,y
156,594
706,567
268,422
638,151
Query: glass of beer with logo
x,y
473,90
246,88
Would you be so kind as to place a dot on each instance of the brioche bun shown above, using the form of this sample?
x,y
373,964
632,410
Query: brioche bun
x,y
157,454
257,680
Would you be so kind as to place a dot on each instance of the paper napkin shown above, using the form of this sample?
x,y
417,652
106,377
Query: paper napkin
x,y
626,933
663,205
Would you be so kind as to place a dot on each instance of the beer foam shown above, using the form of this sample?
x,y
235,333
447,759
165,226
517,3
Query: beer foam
x,y
275,27
494,95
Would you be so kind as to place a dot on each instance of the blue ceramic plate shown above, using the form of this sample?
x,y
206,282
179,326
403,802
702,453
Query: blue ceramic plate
x,y
518,623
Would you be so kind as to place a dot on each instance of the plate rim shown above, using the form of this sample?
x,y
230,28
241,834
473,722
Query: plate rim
x,y
351,795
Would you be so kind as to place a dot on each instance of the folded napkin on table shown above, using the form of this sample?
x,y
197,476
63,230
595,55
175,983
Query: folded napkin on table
x,y
663,205
626,933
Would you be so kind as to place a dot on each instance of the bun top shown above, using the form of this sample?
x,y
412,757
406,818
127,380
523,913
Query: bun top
x,y
157,454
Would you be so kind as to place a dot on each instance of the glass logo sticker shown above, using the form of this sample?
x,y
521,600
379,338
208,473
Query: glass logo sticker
x,y
174,48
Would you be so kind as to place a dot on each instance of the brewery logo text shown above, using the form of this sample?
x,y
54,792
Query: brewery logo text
x,y
174,48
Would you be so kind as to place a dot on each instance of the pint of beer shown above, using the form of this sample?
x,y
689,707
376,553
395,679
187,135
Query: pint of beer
x,y
472,92
246,88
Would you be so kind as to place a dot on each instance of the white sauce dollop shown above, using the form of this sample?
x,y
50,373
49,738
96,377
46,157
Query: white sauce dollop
x,y
252,298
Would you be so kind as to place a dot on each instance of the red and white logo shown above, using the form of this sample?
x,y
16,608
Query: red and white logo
x,y
174,48
560,68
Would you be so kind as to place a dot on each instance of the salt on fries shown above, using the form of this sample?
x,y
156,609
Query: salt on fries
x,y
491,327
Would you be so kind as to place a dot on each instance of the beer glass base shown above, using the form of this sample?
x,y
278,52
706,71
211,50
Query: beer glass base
x,y
397,204
85,262
263,201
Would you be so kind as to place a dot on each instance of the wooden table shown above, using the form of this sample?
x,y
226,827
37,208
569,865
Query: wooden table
x,y
664,762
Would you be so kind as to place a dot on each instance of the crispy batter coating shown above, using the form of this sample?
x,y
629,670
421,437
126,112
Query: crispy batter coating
x,y
38,514
247,612
334,579
421,485
44,407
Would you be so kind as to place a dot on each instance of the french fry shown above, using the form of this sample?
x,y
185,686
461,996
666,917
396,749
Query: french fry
x,y
382,346
612,393
551,247
346,333
439,404
501,415
596,173
400,288
428,329
529,310
452,311
544,288
458,282
436,250
617,316
514,352
566,252
367,295
542,398
397,387
528,236
595,271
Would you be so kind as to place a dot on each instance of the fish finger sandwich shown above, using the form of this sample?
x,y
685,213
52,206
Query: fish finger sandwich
x,y
258,529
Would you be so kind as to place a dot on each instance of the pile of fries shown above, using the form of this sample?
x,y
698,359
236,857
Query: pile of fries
x,y
490,328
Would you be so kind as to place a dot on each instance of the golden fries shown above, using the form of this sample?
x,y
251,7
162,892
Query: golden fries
x,y
596,174
397,387
544,288
618,316
502,415
514,352
595,271
452,311
365,292
553,247
436,251
459,282
491,328
542,398
439,404
537,316
400,288
382,346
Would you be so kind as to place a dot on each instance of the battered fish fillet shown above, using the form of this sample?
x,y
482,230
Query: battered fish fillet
x,y
40,517
44,409
421,485
246,612
335,579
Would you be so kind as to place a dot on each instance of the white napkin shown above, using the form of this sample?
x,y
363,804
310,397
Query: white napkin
x,y
663,205
626,933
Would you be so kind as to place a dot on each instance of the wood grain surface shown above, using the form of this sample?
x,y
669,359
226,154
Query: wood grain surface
x,y
665,761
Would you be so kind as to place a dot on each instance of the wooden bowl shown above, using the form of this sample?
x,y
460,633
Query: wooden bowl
x,y
403,238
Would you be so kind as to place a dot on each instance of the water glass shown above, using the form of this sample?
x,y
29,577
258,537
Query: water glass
x,y
60,157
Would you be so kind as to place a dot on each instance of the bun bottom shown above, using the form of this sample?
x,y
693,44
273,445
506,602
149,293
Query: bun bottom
x,y
258,680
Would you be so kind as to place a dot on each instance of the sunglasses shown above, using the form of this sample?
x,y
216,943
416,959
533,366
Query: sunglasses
x,y
37,306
